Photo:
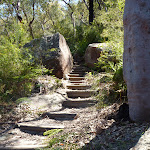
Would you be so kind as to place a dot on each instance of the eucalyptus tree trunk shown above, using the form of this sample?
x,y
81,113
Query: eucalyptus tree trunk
x,y
137,58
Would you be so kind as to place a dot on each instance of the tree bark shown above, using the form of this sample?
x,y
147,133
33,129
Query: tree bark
x,y
91,14
136,58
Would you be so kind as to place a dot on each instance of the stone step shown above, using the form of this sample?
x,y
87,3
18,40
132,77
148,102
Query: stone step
x,y
78,87
75,83
75,75
59,116
75,72
79,68
78,103
78,82
77,65
80,93
81,73
76,78
22,147
35,128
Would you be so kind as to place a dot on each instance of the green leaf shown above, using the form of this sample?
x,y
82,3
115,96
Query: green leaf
x,y
52,132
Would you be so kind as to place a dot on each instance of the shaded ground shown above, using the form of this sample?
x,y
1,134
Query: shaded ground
x,y
122,136
93,131
90,129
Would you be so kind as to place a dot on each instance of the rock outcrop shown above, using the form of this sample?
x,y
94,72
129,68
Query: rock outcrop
x,y
92,53
53,52
137,58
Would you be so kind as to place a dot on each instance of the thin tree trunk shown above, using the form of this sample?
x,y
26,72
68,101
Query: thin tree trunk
x,y
91,14
31,31
74,24
30,24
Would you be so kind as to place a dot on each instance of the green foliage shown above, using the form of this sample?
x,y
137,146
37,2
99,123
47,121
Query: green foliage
x,y
118,76
114,90
55,139
96,78
112,20
23,99
110,86
61,141
120,84
86,35
52,132
110,59
16,70
16,73
106,78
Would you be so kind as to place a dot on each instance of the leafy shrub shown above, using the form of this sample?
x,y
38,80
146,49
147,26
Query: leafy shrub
x,y
110,86
115,90
110,58
54,139
52,132
118,78
86,35
16,73
16,69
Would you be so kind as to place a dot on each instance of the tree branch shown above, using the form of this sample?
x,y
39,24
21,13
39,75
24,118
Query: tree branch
x,y
86,4
72,17
33,13
25,14
101,3
68,4
30,23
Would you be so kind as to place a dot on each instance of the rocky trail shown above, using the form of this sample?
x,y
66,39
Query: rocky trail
x,y
59,113
73,110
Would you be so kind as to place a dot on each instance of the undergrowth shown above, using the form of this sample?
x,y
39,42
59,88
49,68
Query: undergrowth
x,y
110,86
59,140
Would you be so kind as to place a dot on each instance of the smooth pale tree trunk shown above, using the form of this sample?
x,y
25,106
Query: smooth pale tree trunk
x,y
137,58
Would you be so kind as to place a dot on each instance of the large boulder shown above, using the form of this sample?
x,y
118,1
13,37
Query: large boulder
x,y
53,52
136,58
92,53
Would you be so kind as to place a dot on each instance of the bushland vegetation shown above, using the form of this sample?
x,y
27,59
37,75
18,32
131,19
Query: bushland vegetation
x,y
24,20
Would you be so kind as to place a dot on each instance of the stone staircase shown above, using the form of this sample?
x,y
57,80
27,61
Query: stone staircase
x,y
77,90
79,95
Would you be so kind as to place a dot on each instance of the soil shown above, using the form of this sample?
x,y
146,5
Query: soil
x,y
92,128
